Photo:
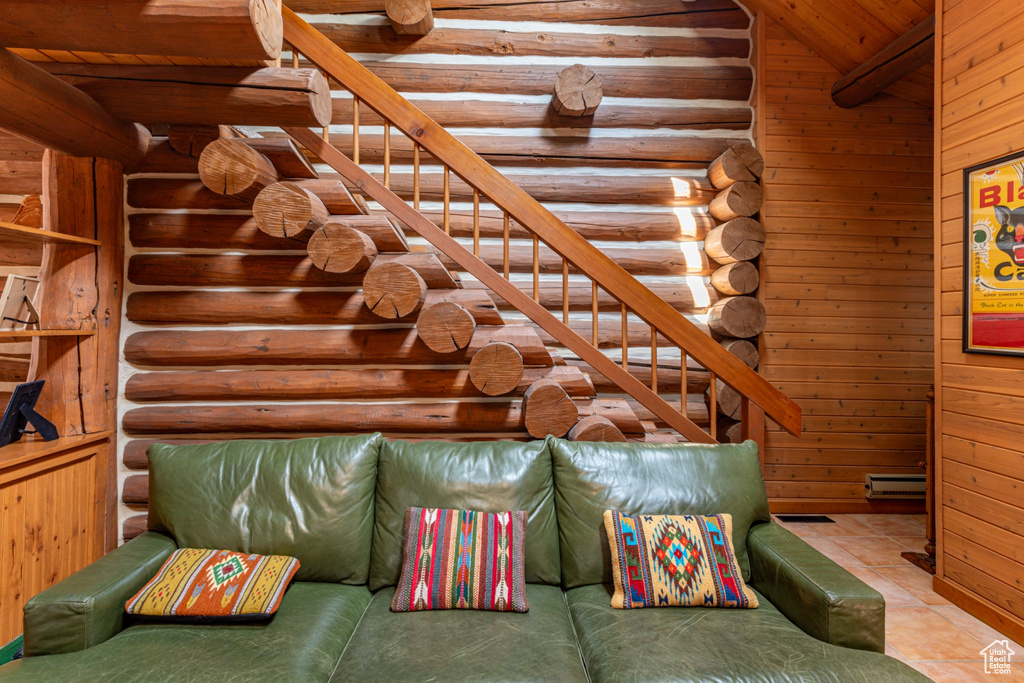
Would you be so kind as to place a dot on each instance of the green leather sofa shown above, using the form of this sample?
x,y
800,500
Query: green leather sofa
x,y
337,503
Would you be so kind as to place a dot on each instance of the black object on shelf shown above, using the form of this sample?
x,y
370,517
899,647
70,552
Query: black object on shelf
x,y
21,412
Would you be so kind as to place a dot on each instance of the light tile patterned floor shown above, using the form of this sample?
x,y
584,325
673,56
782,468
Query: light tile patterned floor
x,y
921,627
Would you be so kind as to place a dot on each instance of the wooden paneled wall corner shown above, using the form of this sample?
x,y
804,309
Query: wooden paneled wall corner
x,y
979,459
847,210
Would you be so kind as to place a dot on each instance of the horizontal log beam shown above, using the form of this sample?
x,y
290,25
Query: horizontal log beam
x,y
329,384
226,29
485,114
684,82
640,261
204,94
382,39
317,347
287,159
177,193
666,13
679,296
697,380
42,108
267,271
390,418
900,58
284,308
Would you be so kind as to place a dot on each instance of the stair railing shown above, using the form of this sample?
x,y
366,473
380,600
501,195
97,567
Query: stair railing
x,y
758,396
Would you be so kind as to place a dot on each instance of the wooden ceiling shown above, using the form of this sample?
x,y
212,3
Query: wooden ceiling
x,y
847,33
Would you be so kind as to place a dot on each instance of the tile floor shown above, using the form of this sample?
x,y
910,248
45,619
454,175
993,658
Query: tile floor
x,y
921,627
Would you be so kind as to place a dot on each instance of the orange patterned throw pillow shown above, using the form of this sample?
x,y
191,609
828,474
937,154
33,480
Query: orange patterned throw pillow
x,y
215,584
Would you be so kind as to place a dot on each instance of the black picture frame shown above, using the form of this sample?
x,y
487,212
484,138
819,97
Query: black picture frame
x,y
970,235
21,411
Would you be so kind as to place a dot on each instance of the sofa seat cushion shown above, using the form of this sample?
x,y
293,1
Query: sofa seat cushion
x,y
701,644
460,645
303,642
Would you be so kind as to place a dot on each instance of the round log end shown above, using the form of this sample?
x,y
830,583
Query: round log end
x,y
410,17
446,327
596,428
740,239
744,350
548,409
727,401
230,167
736,278
190,141
288,210
268,26
737,316
739,199
393,290
339,249
739,163
578,91
496,368
320,98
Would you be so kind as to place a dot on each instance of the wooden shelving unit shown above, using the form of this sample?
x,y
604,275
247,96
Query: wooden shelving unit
x,y
32,448
8,230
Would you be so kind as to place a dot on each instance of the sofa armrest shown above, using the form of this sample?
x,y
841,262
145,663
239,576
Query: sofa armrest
x,y
87,608
815,593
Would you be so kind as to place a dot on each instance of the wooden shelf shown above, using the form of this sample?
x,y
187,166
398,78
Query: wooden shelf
x,y
44,236
33,447
7,335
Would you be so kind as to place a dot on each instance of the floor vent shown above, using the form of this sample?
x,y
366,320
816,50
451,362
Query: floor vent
x,y
805,519
894,486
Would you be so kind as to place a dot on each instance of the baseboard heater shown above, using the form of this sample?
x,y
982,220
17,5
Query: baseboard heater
x,y
894,486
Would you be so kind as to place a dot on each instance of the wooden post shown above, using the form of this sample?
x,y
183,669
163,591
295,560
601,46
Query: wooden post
x,y
739,163
40,107
337,248
548,409
596,428
496,368
393,290
752,421
578,91
289,210
230,167
445,327
410,17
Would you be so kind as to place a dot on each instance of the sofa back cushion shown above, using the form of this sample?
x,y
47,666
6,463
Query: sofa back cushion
x,y
489,476
655,479
306,498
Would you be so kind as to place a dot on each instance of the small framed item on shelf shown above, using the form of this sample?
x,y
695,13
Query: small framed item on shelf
x,y
21,413
18,305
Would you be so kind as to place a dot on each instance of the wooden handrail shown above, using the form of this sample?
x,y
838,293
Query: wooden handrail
x,y
529,213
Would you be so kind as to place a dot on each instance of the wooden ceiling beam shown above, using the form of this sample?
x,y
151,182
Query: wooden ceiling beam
x,y
199,95
226,29
44,109
908,53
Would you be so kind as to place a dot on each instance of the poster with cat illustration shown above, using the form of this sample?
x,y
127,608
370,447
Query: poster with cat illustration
x,y
993,310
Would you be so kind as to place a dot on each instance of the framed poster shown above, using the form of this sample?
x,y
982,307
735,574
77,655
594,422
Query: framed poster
x,y
993,310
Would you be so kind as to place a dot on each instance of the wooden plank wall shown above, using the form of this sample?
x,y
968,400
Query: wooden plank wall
x,y
844,279
632,180
21,174
980,402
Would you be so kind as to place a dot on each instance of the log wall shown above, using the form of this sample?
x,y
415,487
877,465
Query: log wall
x,y
845,279
229,332
979,458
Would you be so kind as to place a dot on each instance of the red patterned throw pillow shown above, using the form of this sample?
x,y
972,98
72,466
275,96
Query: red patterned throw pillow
x,y
462,559
215,584
675,561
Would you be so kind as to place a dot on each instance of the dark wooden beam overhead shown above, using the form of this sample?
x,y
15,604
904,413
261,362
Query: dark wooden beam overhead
x,y
227,29
204,94
44,109
903,56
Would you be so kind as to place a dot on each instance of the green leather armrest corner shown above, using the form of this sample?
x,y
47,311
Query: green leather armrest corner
x,y
87,608
815,593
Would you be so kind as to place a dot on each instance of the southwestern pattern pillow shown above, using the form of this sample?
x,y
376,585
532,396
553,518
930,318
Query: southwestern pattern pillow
x,y
462,559
675,561
215,584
